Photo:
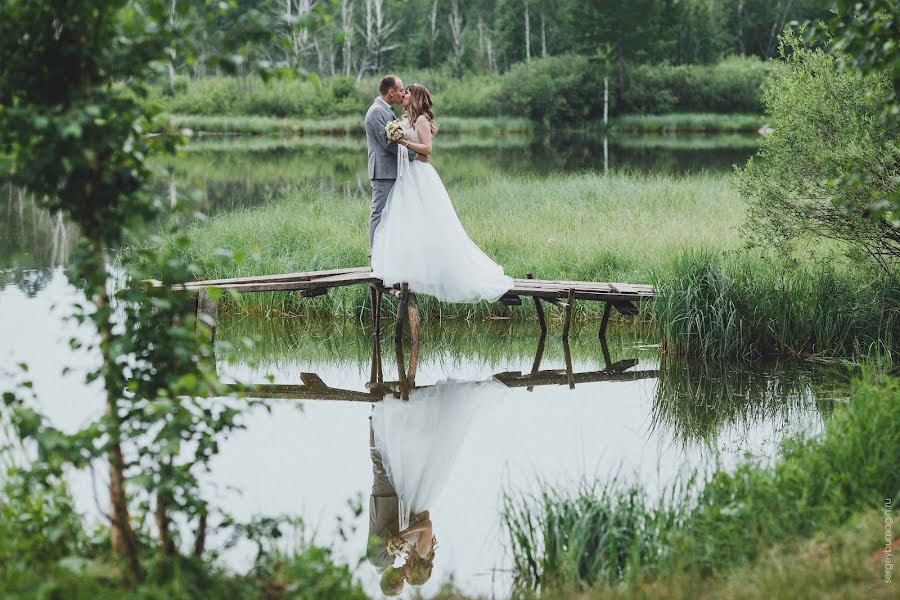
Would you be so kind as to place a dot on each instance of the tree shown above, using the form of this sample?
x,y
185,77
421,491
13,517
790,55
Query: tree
x,y
863,37
826,121
76,140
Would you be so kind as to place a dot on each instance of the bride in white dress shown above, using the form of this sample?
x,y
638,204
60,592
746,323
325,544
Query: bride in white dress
x,y
420,240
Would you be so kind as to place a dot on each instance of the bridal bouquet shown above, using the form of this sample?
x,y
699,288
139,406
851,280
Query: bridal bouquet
x,y
393,131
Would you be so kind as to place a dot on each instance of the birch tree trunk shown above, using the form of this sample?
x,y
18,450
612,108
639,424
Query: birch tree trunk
x,y
347,29
527,34
543,31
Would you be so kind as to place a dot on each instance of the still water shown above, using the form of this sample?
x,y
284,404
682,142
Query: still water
x,y
591,413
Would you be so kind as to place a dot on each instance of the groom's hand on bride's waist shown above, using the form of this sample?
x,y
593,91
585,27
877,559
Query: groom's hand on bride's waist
x,y
422,158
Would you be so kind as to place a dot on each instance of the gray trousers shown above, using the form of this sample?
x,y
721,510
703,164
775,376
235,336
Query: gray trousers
x,y
381,188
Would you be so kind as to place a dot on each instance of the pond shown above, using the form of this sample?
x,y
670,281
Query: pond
x,y
590,411
238,171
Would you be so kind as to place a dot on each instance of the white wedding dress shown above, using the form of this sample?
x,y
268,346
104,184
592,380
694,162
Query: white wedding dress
x,y
420,240
419,438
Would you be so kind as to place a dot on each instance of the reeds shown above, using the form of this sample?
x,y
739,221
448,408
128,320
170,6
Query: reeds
x,y
606,535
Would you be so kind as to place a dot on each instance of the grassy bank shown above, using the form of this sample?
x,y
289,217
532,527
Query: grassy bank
x,y
706,526
689,122
346,125
500,125
679,233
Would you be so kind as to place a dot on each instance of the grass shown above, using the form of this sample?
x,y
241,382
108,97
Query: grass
x,y
347,125
679,233
706,526
697,122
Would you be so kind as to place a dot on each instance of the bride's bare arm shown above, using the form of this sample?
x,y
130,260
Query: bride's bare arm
x,y
423,127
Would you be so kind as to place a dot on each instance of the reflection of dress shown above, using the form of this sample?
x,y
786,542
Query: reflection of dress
x,y
418,439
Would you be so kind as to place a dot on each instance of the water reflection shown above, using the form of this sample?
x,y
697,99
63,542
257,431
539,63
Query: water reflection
x,y
32,242
520,411
243,171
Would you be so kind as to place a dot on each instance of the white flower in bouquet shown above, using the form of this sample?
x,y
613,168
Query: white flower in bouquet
x,y
393,131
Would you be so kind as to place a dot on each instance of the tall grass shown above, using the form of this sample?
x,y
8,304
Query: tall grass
x,y
689,122
606,535
747,308
679,233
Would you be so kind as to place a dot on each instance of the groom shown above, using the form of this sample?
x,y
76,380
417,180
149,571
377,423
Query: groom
x,y
382,153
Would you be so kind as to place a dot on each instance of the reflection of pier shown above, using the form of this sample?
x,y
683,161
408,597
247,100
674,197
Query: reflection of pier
x,y
562,294
313,388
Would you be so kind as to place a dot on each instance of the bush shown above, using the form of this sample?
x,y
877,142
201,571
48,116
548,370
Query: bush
x,y
556,88
732,85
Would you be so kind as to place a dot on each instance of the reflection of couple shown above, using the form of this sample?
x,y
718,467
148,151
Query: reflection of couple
x,y
413,445
414,234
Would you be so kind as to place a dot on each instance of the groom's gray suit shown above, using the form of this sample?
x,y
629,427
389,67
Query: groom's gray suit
x,y
382,159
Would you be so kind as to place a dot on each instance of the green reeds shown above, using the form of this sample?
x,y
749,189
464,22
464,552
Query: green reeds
x,y
605,536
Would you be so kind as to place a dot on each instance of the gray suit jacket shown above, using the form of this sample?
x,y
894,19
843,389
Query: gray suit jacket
x,y
382,154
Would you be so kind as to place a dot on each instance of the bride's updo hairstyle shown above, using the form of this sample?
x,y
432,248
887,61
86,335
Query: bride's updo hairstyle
x,y
420,104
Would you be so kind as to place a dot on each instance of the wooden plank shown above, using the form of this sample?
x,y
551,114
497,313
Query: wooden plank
x,y
301,276
509,300
401,312
635,287
547,294
288,286
626,308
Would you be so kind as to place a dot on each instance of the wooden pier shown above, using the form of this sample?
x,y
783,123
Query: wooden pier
x,y
562,294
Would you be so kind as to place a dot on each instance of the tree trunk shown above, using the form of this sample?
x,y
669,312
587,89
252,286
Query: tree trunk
x,y
527,34
124,543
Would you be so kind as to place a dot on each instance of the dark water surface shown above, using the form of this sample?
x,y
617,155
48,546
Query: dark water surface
x,y
592,413
242,171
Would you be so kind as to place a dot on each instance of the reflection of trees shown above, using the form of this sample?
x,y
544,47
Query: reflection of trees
x,y
246,171
696,401
32,242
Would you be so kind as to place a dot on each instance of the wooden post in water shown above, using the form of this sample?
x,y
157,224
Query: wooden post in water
x,y
605,320
207,312
413,314
376,306
570,374
539,309
536,366
401,312
568,322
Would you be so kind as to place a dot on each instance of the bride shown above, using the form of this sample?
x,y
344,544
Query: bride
x,y
420,240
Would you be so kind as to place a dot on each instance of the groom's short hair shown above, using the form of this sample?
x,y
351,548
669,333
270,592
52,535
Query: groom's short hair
x,y
387,83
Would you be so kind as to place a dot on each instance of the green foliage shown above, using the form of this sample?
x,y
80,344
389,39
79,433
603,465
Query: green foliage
x,y
566,89
826,122
708,525
732,85
554,89
863,38
78,142
748,307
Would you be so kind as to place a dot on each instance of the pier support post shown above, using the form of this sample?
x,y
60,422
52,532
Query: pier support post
x,y
376,306
570,374
536,366
207,313
413,314
539,309
569,305
604,320
401,312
